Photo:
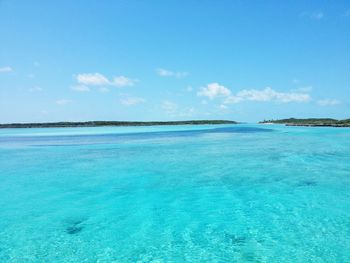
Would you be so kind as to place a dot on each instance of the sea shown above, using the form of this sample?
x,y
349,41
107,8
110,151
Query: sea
x,y
202,193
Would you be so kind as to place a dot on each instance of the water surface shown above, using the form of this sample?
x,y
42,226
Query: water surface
x,y
225,193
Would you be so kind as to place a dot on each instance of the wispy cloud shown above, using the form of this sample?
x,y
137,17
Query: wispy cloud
x,y
80,88
35,89
215,90
6,69
187,112
328,102
62,102
174,110
315,15
103,89
168,73
123,81
169,107
98,79
223,107
267,94
131,101
304,89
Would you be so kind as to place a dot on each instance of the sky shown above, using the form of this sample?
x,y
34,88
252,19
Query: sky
x,y
173,60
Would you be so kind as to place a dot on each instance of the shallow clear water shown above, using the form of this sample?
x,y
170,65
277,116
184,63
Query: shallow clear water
x,y
241,193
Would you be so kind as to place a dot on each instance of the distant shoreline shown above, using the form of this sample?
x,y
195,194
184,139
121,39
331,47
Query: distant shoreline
x,y
112,124
311,122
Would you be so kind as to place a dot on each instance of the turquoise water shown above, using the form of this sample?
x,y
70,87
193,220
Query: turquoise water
x,y
241,193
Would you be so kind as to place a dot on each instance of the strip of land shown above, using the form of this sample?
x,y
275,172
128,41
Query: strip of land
x,y
112,123
314,122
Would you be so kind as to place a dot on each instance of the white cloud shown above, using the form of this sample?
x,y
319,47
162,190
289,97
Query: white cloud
x,y
328,102
35,89
214,90
93,79
80,88
97,79
6,69
63,102
168,73
267,94
132,101
123,81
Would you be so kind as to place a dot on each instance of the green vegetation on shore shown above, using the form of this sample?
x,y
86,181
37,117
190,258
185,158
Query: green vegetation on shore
x,y
310,122
112,123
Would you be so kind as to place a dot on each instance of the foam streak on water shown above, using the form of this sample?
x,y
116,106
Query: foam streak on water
x,y
229,193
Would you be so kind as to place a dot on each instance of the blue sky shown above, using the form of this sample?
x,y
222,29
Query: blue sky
x,y
173,60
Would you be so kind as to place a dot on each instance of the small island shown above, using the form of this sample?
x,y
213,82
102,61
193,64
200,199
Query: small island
x,y
112,123
311,122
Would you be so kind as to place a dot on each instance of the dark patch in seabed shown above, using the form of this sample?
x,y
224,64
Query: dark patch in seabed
x,y
75,227
307,183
